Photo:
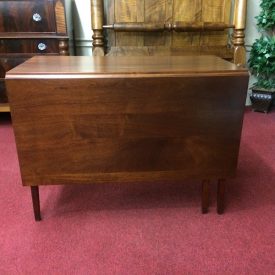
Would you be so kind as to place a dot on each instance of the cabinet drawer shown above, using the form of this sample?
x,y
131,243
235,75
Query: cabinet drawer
x,y
33,46
27,16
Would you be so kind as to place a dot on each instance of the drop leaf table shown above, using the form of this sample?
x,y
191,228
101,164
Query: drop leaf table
x,y
127,119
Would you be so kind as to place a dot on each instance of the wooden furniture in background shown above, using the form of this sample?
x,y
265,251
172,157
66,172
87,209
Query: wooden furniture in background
x,y
169,27
127,119
28,28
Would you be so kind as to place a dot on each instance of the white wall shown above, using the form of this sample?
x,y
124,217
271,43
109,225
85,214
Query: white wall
x,y
253,9
70,27
82,26
252,33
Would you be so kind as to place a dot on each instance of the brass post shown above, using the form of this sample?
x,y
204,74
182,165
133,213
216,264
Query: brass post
x,y
239,32
97,27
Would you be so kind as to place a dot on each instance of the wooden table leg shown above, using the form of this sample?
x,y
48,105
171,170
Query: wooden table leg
x,y
205,197
220,196
36,202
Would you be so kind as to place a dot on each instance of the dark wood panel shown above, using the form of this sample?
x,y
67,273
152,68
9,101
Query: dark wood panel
x,y
2,70
27,16
3,95
155,125
36,46
83,130
5,65
105,98
196,154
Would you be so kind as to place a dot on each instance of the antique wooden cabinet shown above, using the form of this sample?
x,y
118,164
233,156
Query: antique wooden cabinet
x,y
27,28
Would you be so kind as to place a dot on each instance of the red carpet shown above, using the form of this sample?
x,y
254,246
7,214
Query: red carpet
x,y
143,229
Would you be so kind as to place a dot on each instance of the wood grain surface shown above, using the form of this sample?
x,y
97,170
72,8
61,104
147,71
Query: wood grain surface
x,y
169,10
130,128
110,66
170,27
17,16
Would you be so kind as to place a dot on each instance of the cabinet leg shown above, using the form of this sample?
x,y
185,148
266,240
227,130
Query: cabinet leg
x,y
36,202
205,197
220,196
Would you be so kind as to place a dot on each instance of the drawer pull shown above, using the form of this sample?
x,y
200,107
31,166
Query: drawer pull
x,y
42,47
37,17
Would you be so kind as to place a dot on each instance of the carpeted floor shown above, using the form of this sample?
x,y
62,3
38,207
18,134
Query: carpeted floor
x,y
143,229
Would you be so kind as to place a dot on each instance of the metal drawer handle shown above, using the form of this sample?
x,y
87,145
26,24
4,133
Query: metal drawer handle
x,y
37,17
42,47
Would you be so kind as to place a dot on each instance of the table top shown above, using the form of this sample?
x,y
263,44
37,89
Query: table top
x,y
113,66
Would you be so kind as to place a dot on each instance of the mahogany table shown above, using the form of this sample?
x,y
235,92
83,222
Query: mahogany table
x,y
127,119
